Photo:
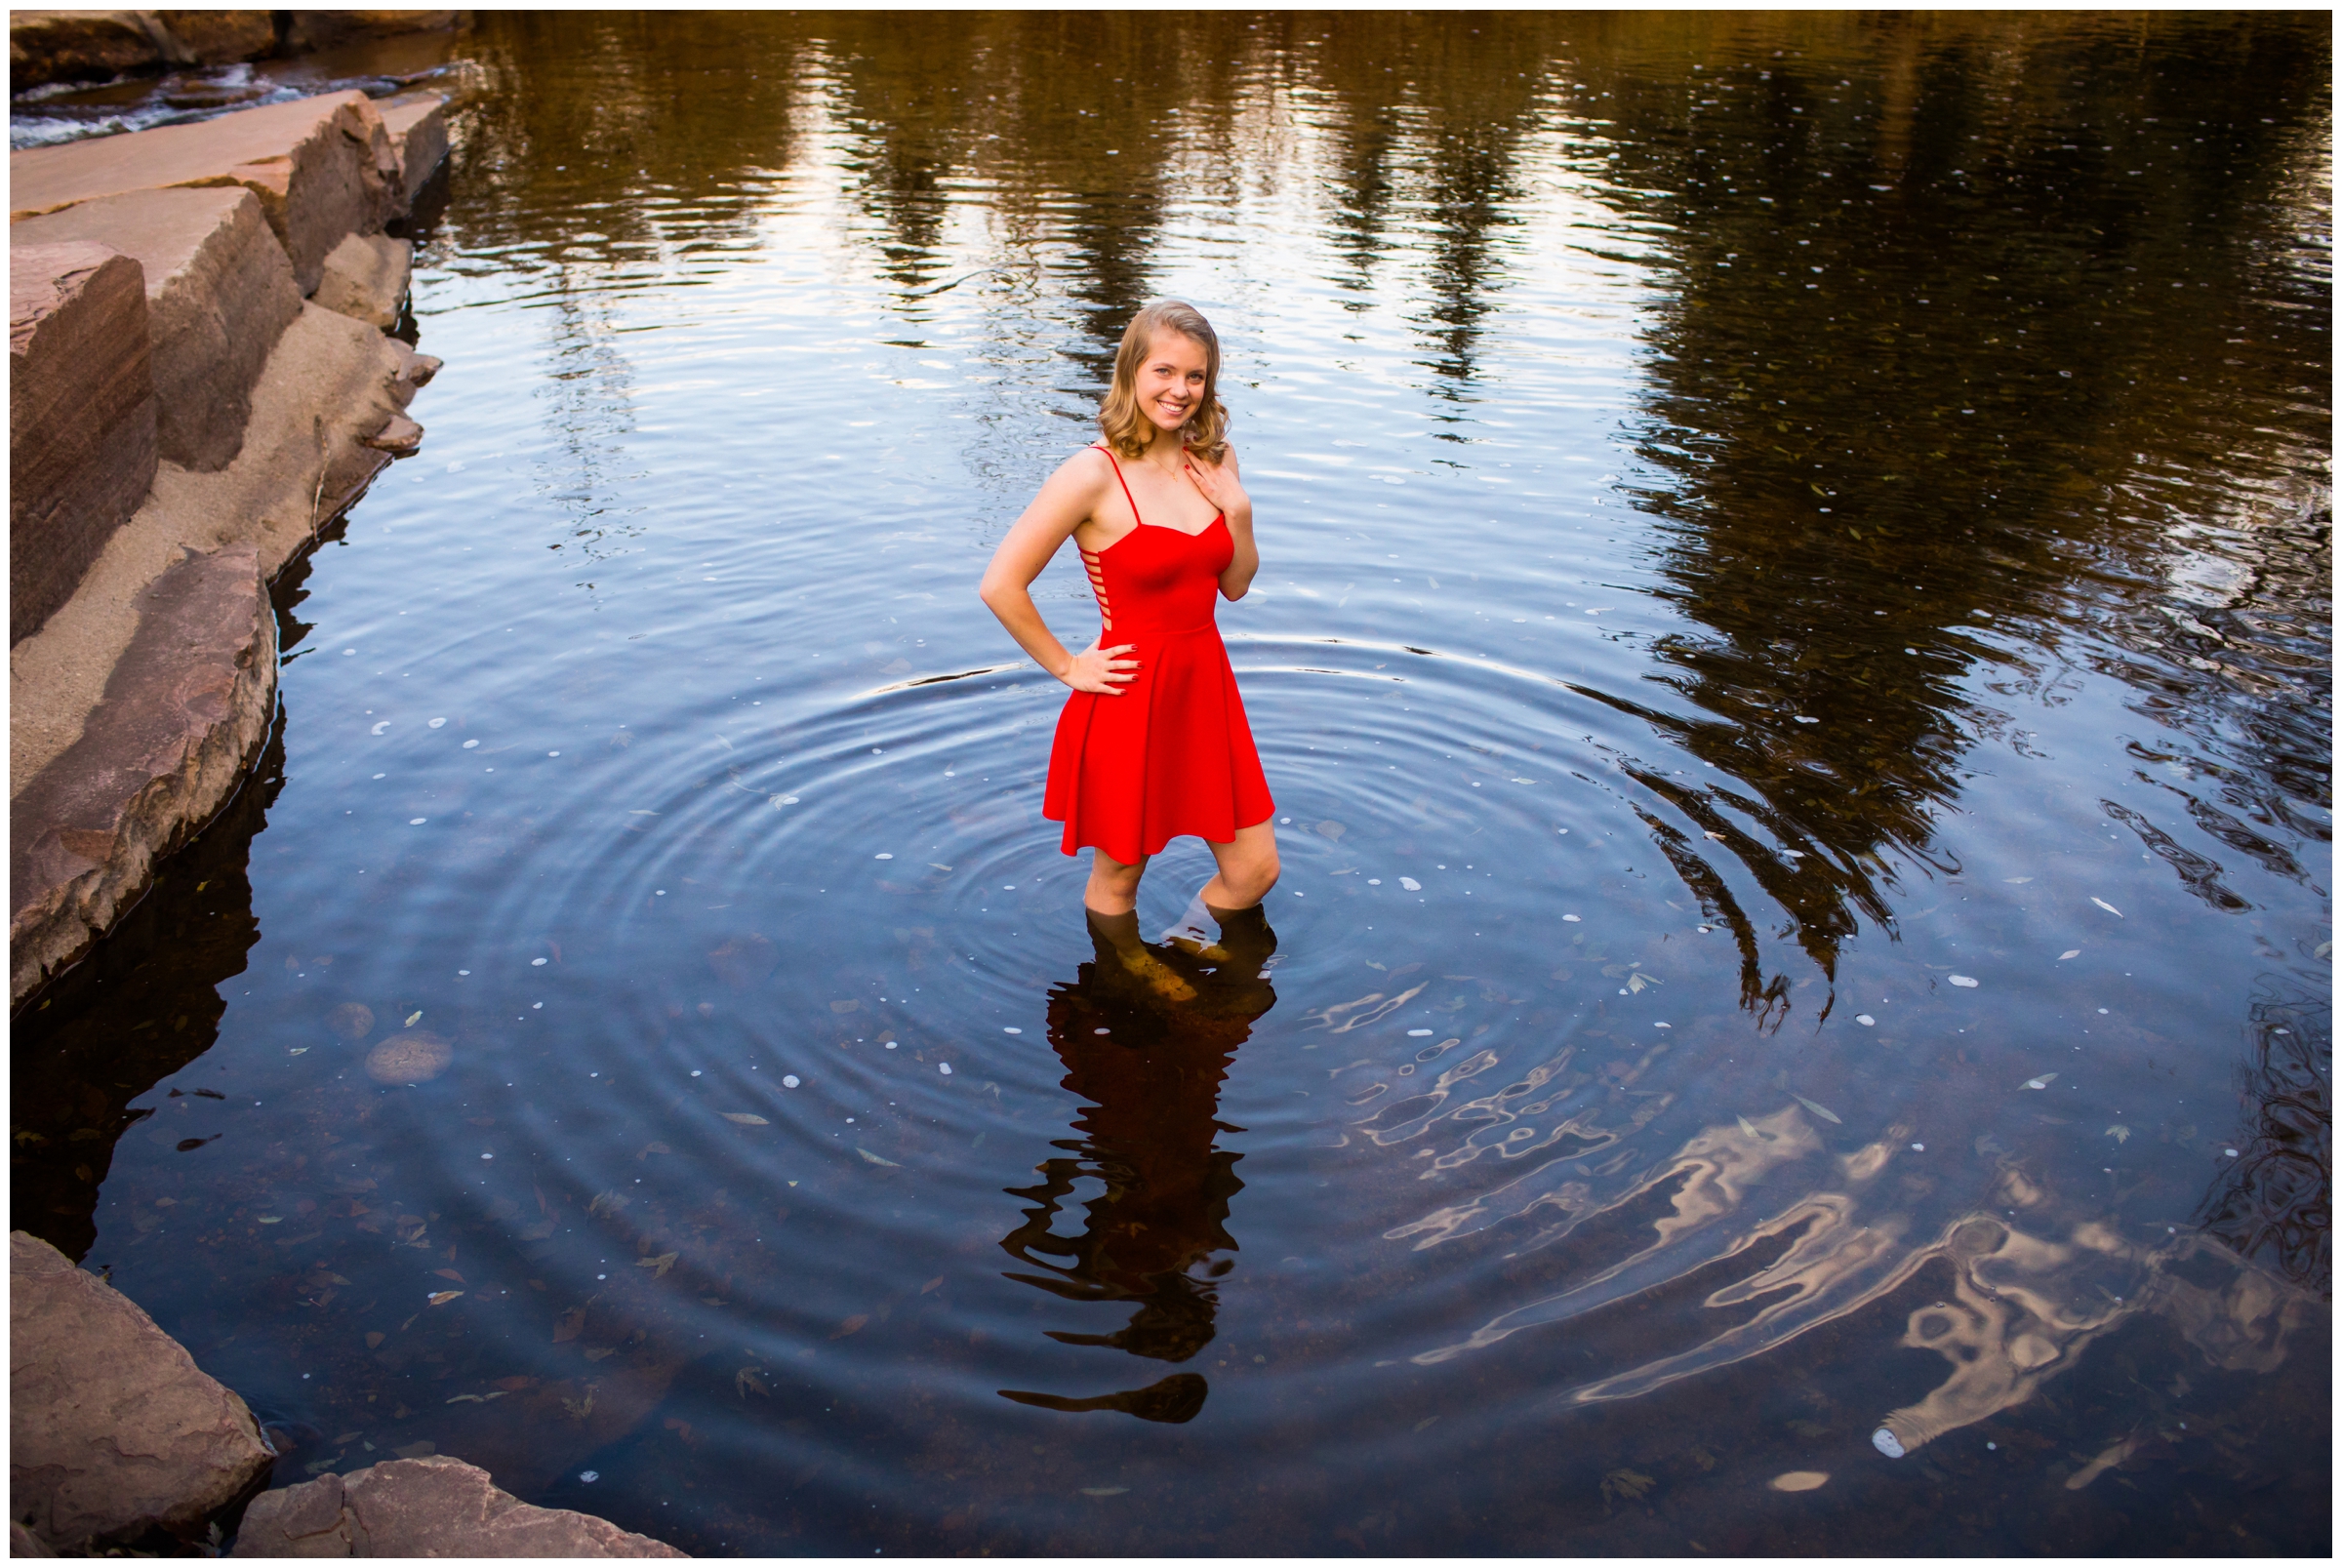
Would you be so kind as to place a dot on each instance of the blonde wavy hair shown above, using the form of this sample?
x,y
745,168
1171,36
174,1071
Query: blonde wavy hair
x,y
1126,428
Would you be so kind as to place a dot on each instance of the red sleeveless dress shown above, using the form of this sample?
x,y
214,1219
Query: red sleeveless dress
x,y
1172,754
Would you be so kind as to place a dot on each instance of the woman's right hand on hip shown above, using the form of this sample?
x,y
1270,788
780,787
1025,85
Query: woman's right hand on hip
x,y
1099,670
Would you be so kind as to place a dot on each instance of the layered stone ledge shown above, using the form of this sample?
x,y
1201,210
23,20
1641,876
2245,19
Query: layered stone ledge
x,y
201,382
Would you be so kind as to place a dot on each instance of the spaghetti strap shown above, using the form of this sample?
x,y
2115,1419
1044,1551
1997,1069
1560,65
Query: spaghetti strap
x,y
1124,483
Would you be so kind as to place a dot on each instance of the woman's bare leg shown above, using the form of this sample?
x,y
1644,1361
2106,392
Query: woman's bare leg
x,y
1248,869
1113,886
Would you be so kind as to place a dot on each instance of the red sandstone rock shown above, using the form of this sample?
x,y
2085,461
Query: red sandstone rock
x,y
322,168
218,294
416,123
186,706
81,441
71,46
424,1507
217,37
366,279
112,1428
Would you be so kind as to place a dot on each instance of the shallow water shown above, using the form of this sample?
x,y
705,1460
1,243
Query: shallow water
x,y
1793,650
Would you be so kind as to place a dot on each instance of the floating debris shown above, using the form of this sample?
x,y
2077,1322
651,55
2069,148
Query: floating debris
x,y
2108,908
2070,953
440,1298
1888,1443
1866,1021
2118,1133
877,1159
1411,885
746,1118
1964,982
2042,1082
1821,1111
1805,1480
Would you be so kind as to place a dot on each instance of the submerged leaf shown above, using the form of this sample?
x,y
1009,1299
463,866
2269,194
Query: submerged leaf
x,y
2118,1133
657,1265
744,1119
746,1382
569,1325
1821,1111
1749,1127
877,1159
443,1297
2070,953
851,1325
2042,1082
1625,1484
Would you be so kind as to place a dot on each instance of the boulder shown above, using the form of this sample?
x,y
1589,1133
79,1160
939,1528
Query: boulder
x,y
305,31
366,278
187,707
81,430
113,1430
416,123
322,168
217,37
424,1507
22,1542
74,46
220,293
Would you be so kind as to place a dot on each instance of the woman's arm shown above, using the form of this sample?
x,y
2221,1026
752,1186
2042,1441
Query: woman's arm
x,y
1063,506
1224,488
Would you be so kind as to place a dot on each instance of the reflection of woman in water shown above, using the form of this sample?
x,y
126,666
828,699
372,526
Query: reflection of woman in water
x,y
1154,741
1150,1073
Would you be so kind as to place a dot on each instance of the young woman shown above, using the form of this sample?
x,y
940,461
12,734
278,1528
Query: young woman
x,y
1152,744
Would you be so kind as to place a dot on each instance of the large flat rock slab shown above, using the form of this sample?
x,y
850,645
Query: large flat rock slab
x,y
81,418
112,1428
185,709
220,292
424,1507
322,168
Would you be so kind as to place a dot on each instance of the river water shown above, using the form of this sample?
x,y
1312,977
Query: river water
x,y
1792,651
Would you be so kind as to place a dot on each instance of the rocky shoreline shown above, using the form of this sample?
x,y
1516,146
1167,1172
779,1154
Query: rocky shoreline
x,y
203,378
201,382
116,1438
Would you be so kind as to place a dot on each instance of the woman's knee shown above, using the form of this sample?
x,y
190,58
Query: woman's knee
x,y
1256,873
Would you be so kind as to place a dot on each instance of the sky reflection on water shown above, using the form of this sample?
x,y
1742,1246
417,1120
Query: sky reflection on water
x,y
1792,647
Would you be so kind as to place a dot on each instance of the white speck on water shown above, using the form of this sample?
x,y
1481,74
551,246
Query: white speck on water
x,y
1417,1035
346,652
694,1073
536,963
1919,1149
2108,908
591,1475
883,857
1572,918
1866,1021
1887,1443
462,971
468,744
438,724
381,776
417,821
1374,881
552,754
535,1007
662,892
789,1080
1010,1029
2070,953
487,1156
1967,981
944,1068
2229,1152
1410,884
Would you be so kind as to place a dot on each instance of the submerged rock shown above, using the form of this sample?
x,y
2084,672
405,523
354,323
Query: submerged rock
x,y
113,1430
413,1055
435,1506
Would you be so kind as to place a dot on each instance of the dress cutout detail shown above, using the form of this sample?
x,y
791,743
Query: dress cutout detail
x,y
1173,755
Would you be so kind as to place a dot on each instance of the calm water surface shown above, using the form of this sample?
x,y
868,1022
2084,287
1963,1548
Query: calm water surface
x,y
1793,650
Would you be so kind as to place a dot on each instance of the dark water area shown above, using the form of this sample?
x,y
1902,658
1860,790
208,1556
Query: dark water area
x,y
1793,650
